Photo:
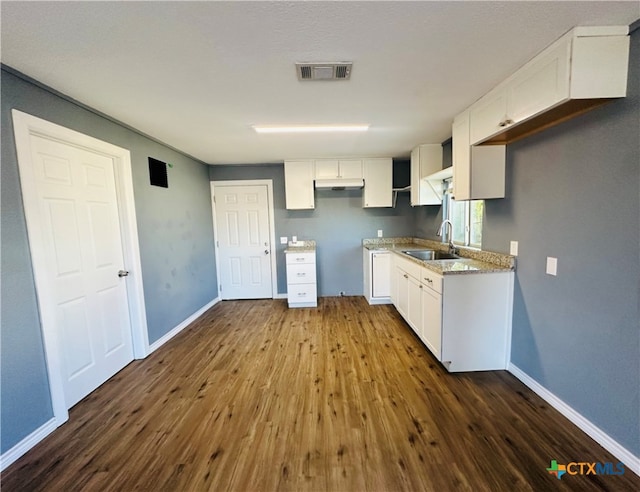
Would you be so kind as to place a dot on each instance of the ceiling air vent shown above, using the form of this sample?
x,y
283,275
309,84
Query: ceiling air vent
x,y
324,71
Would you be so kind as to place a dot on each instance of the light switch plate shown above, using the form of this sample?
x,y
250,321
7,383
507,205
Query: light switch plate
x,y
513,248
283,240
552,265
294,239
379,232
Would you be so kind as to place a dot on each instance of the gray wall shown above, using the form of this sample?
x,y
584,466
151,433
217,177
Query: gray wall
x,y
176,246
338,224
573,193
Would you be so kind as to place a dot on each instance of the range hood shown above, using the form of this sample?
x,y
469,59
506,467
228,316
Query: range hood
x,y
339,184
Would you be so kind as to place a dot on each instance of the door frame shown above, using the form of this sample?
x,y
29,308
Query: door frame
x,y
272,231
24,126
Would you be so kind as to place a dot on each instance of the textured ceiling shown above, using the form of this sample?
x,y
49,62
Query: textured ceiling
x,y
197,75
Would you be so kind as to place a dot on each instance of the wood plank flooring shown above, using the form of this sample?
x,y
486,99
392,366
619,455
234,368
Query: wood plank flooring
x,y
257,397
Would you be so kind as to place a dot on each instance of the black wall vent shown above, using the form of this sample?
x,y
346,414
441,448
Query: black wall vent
x,y
158,173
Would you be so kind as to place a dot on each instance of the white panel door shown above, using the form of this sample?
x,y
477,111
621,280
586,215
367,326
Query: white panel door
x,y
80,223
244,248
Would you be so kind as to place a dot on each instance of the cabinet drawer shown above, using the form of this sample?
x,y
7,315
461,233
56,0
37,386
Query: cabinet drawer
x,y
302,273
295,258
409,266
301,293
431,280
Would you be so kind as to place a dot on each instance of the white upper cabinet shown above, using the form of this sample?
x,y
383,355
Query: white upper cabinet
x,y
572,75
425,161
537,86
461,156
378,183
298,184
339,169
478,171
302,176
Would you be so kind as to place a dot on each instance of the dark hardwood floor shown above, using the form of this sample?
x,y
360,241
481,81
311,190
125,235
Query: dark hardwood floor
x,y
255,396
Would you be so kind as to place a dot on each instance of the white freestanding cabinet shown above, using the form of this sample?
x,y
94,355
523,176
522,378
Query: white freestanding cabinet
x,y
298,185
377,276
378,183
478,171
301,279
425,160
463,319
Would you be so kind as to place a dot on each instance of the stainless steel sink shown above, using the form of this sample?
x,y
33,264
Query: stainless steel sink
x,y
429,255
442,255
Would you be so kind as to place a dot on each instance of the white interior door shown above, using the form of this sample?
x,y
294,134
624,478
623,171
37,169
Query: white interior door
x,y
244,245
77,218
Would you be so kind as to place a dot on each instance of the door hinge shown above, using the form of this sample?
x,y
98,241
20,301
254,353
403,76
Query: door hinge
x,y
220,288
214,199
218,244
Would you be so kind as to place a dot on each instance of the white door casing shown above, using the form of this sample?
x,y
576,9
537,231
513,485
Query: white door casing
x,y
78,200
244,231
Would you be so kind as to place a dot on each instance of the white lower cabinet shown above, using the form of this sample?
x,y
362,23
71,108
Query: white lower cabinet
x,y
377,276
463,319
414,304
431,333
402,292
301,279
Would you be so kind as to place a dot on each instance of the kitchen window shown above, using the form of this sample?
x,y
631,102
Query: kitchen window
x,y
466,217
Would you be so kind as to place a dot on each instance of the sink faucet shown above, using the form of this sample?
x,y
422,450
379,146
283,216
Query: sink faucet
x,y
441,231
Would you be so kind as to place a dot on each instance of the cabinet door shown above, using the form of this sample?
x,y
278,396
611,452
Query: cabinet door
x,y
298,184
394,280
378,183
488,116
414,308
381,275
326,169
402,279
415,177
461,157
425,160
350,169
432,321
540,84
478,171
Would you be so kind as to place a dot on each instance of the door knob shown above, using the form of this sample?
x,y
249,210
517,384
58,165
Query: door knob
x,y
122,273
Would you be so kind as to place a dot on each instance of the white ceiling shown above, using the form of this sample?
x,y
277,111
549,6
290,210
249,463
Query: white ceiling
x,y
197,75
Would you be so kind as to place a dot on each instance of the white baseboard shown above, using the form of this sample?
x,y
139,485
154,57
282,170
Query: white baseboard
x,y
39,434
168,336
280,296
27,443
631,461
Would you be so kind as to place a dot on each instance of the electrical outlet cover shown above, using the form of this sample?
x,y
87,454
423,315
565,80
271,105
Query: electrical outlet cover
x,y
552,265
513,248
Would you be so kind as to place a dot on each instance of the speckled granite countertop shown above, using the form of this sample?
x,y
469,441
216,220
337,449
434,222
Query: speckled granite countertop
x,y
301,247
470,261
